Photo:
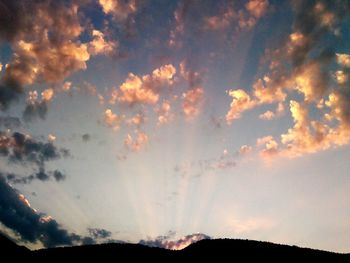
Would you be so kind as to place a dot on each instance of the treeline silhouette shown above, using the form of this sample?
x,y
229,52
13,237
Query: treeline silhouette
x,y
226,249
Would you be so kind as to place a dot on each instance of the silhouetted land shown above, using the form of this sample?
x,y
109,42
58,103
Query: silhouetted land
x,y
227,249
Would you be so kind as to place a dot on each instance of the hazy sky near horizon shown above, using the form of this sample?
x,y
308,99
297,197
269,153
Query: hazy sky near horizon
x,y
154,120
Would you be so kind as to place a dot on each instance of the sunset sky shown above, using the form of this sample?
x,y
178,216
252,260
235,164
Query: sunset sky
x,y
164,121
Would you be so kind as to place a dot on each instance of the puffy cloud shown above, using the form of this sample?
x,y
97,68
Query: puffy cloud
x,y
267,115
98,45
192,100
254,10
271,146
22,148
146,89
17,214
67,86
47,94
245,149
257,8
164,114
37,109
312,80
341,77
51,137
164,242
136,144
343,59
112,120
137,120
44,37
241,102
121,10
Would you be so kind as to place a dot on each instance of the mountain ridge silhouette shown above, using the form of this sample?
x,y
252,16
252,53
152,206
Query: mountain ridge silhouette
x,y
208,248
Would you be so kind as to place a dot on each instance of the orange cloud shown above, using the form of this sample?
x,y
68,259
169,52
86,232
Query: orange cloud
x,y
267,115
192,100
121,10
112,120
145,89
100,46
343,59
241,102
163,111
341,77
36,57
67,86
136,144
257,8
137,120
47,94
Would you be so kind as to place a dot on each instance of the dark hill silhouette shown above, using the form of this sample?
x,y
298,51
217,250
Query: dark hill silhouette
x,y
219,248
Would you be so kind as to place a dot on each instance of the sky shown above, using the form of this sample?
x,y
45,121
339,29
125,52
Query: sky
x,y
164,122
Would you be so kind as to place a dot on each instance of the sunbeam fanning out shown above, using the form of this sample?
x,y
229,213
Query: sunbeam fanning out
x,y
147,121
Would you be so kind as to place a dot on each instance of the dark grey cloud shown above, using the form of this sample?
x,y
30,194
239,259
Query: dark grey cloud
x,y
23,149
41,175
34,111
16,214
98,233
86,137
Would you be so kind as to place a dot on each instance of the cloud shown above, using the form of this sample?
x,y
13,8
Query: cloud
x,y
241,102
137,143
244,18
121,10
47,94
146,89
180,14
36,110
341,77
18,148
45,44
17,214
67,86
138,120
163,242
304,65
343,59
112,120
86,137
257,8
192,100
41,175
97,233
45,39
164,112
270,115
245,149
98,45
